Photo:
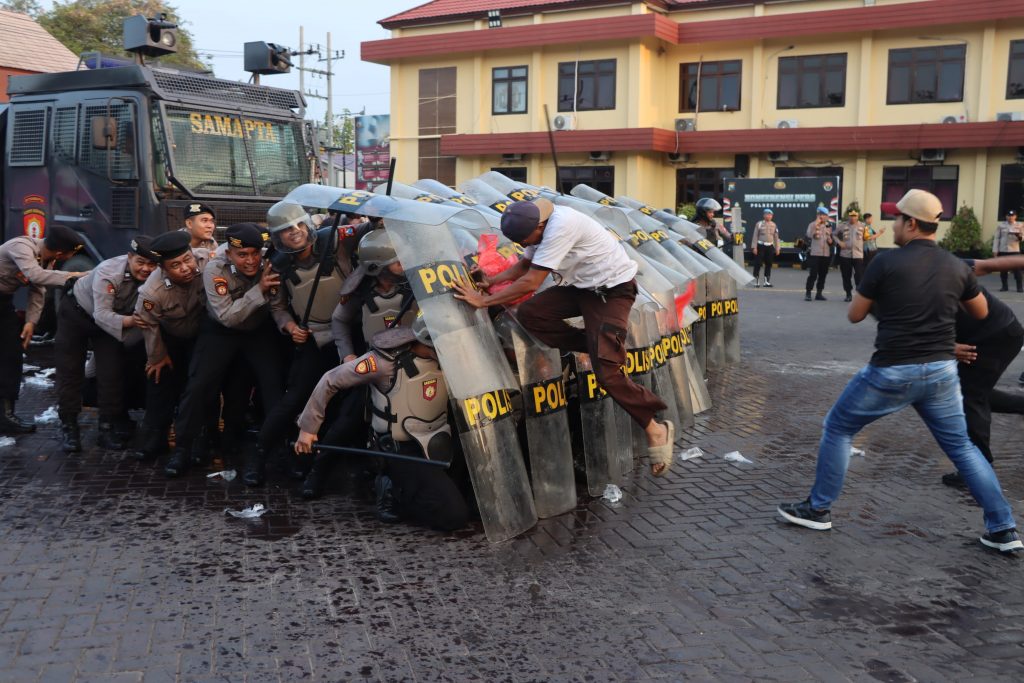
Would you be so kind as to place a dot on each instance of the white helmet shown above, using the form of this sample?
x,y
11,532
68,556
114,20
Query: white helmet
x,y
285,215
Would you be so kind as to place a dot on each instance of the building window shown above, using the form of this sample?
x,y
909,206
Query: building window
x,y
710,86
926,74
433,165
1015,78
584,86
437,101
516,173
508,86
812,81
601,178
941,181
694,183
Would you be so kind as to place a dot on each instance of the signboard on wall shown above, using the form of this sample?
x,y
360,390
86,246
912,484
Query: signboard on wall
x,y
794,201
373,150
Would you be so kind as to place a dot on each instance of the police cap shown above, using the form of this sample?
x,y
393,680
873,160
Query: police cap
x,y
62,238
394,338
169,245
243,235
195,208
140,246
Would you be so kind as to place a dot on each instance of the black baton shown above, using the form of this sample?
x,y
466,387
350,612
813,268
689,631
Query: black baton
x,y
379,454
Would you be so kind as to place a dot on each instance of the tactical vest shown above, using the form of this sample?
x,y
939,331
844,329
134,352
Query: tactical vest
x,y
411,402
327,293
380,311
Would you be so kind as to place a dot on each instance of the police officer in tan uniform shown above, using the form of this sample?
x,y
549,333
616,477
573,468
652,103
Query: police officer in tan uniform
x,y
239,286
820,235
1006,242
26,262
850,236
99,312
170,307
764,244
200,224
410,413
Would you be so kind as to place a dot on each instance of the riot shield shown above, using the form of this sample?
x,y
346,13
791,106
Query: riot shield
x,y
544,415
478,375
604,449
441,190
515,190
485,195
716,320
731,323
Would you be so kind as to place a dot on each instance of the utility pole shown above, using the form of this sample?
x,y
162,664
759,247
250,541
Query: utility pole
x,y
332,55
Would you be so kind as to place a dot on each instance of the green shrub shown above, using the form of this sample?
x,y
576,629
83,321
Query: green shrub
x,y
687,211
964,235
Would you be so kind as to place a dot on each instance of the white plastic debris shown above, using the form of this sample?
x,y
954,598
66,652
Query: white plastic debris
x,y
226,475
41,382
46,373
857,451
6,441
691,453
255,511
736,456
48,416
29,368
612,493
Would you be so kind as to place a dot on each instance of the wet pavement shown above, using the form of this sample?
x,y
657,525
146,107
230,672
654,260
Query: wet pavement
x,y
108,572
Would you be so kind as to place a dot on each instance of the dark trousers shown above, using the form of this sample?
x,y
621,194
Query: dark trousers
x,y
1004,276
818,267
11,353
977,382
217,352
309,364
765,256
603,337
427,495
76,331
848,267
162,397
868,255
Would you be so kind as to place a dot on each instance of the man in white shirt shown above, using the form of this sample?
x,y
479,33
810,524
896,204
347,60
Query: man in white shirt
x,y
596,279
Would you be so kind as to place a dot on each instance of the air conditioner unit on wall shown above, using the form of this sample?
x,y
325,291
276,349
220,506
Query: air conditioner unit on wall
x,y
600,156
778,156
1010,116
932,155
686,125
677,157
564,122
512,157
787,123
953,118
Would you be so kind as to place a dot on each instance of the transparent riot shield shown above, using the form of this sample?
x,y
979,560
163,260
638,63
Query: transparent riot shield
x,y
515,190
716,320
731,323
485,195
661,375
639,362
441,190
604,449
544,414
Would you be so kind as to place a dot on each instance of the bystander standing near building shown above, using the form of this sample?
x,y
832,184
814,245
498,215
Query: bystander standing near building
x,y
871,235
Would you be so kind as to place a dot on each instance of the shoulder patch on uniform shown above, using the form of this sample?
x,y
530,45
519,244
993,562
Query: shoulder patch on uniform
x,y
147,304
430,389
111,288
366,366
220,285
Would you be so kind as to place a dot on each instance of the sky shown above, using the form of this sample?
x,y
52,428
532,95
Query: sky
x,y
220,29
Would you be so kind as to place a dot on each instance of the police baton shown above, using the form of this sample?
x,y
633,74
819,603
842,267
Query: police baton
x,y
330,248
377,454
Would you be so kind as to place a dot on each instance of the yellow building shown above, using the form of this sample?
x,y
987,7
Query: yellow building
x,y
662,99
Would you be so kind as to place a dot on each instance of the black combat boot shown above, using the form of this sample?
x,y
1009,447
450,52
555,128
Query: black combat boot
x,y
177,464
199,452
71,437
252,472
11,423
387,506
316,481
152,444
109,439
125,427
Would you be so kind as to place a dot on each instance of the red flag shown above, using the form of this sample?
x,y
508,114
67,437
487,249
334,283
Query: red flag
x,y
684,299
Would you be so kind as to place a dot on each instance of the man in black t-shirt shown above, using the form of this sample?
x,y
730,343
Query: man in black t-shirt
x,y
915,293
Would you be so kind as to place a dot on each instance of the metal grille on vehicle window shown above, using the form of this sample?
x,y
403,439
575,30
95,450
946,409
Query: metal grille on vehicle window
x,y
232,94
65,125
28,138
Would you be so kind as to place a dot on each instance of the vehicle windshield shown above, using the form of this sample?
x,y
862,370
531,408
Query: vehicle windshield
x,y
220,153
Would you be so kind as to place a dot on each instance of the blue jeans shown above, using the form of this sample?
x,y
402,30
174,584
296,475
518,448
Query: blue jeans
x,y
934,391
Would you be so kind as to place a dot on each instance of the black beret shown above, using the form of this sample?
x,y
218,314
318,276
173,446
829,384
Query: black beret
x,y
140,245
244,235
196,208
62,238
170,245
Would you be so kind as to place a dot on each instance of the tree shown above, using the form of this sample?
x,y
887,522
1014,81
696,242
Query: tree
x,y
964,235
344,132
91,25
29,7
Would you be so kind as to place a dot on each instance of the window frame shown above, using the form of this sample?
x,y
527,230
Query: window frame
x,y
574,105
573,175
902,185
1019,94
821,71
686,78
508,81
916,63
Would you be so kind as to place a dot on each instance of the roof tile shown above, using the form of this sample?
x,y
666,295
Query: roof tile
x,y
26,45
437,11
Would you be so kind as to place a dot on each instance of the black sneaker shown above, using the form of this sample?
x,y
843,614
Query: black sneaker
x,y
849,298
955,480
807,297
820,297
1006,541
803,515
767,283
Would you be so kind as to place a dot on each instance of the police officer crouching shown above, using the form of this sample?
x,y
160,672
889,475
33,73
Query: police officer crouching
x,y
410,416
98,311
239,287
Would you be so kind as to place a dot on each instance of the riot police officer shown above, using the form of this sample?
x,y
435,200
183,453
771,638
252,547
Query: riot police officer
x,y
313,265
410,416
26,261
170,306
99,312
200,224
239,287
705,218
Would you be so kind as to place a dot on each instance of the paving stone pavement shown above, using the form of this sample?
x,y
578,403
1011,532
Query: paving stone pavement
x,y
108,572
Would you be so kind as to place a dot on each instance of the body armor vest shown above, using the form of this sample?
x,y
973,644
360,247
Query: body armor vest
x,y
420,399
327,293
380,311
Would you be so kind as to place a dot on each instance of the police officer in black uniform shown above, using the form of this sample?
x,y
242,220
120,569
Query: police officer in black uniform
x,y
239,287
98,312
